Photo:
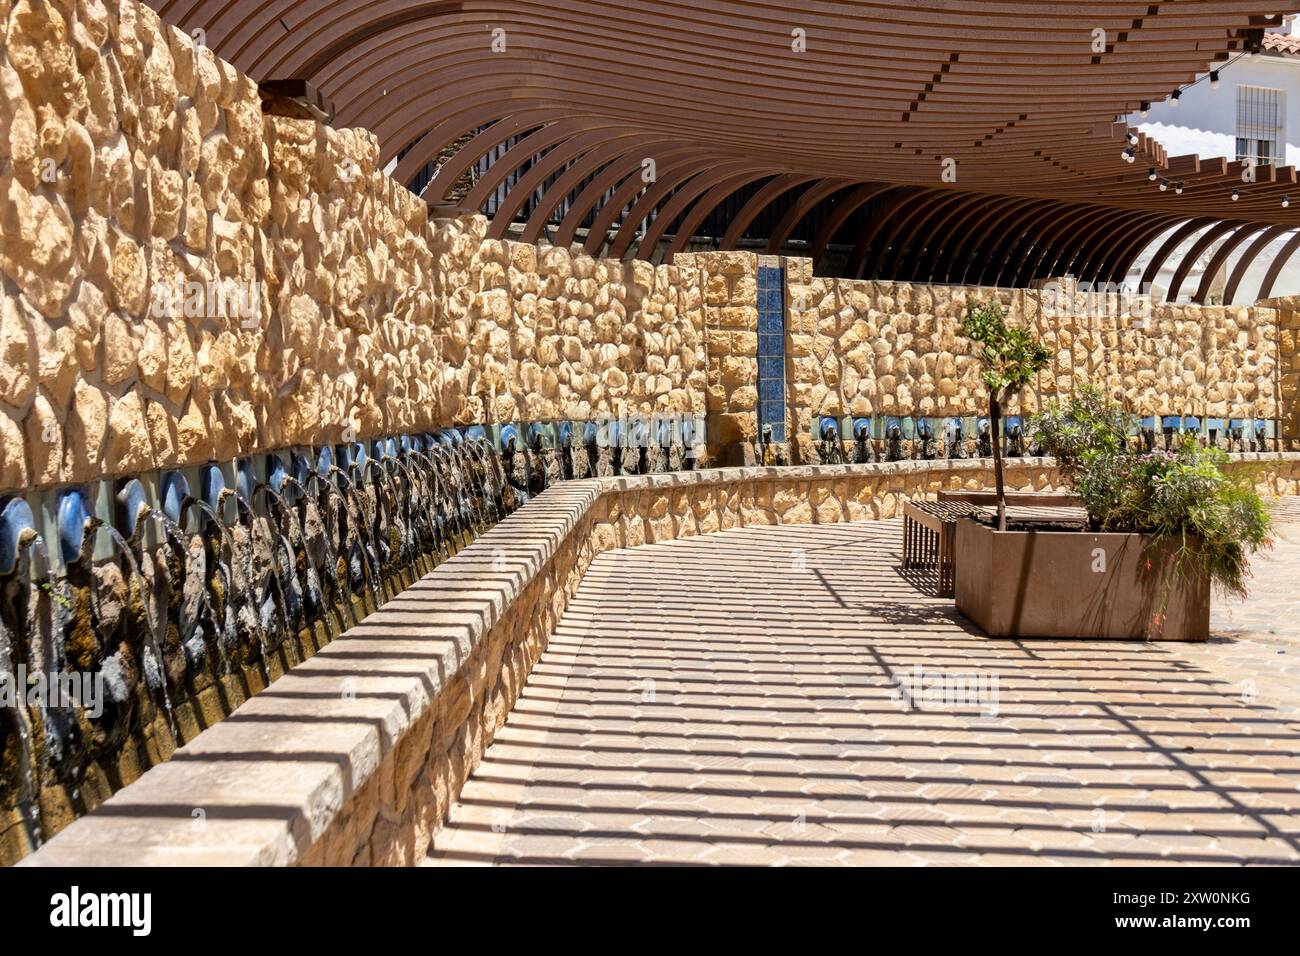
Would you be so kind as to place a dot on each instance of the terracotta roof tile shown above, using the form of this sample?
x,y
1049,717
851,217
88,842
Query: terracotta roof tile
x,y
1281,43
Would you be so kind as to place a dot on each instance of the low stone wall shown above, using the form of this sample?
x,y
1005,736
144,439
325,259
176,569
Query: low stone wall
x,y
355,756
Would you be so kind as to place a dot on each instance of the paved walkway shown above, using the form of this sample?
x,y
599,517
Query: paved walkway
x,y
1273,610
752,697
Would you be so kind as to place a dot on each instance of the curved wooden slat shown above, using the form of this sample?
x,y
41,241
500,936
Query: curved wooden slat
x,y
1275,267
1247,258
1011,90
1178,237
1219,258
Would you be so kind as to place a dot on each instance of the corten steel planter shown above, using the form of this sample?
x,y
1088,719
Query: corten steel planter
x,y
1075,584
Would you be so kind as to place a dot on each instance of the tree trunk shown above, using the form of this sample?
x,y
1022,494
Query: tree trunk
x,y
995,426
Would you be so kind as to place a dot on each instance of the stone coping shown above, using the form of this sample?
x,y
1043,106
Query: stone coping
x,y
261,787
874,469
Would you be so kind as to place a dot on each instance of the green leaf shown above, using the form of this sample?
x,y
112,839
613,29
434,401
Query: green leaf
x,y
1011,355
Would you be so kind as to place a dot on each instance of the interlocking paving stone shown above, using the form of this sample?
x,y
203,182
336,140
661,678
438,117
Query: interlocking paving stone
x,y
734,699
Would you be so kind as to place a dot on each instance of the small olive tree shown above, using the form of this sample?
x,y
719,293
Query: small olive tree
x,y
1011,356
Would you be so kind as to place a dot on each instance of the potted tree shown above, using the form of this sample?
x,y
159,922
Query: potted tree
x,y
1164,528
1011,356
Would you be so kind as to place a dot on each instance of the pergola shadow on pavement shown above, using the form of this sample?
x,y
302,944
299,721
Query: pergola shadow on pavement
x,y
759,696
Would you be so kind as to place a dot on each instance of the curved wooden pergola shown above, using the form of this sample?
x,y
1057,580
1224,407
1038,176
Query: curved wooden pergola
x,y
835,122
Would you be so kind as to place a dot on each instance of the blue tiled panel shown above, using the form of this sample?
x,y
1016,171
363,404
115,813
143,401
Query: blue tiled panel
x,y
771,351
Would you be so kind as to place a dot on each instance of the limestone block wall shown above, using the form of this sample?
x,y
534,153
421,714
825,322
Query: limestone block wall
x,y
865,348
349,343
131,154
880,348
529,333
1288,378
729,287
185,277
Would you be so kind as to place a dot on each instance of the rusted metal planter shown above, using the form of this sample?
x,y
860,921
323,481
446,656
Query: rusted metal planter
x,y
1070,584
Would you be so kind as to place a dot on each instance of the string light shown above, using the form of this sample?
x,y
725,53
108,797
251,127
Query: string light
x,y
1128,155
1213,76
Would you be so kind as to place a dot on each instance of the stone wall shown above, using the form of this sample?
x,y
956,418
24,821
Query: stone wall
x,y
186,277
389,747
530,333
729,284
1288,338
864,348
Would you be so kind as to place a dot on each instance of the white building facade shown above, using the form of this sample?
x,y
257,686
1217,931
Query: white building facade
x,y
1252,113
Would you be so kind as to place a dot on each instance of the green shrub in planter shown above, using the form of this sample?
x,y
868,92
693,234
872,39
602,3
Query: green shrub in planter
x,y
1184,501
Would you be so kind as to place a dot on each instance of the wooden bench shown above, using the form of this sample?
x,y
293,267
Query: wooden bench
x,y
929,534
1032,499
